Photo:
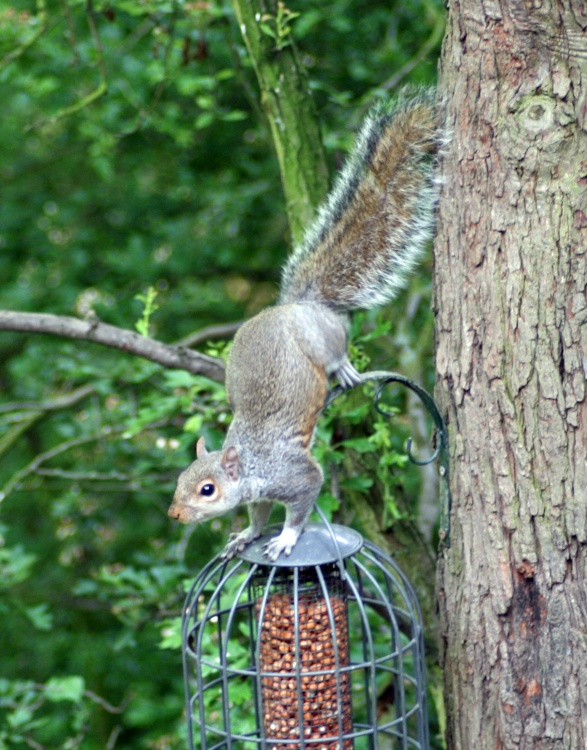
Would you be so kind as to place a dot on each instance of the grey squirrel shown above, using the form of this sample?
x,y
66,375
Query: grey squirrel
x,y
365,239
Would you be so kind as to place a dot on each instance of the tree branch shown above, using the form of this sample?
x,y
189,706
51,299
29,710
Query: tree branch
x,y
286,99
167,355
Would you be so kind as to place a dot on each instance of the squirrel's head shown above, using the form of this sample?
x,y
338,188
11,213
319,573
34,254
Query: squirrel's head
x,y
209,487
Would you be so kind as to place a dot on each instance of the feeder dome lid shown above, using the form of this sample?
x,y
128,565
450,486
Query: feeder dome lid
x,y
318,545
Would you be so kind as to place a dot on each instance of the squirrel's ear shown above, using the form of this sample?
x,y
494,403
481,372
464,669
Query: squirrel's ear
x,y
230,462
201,448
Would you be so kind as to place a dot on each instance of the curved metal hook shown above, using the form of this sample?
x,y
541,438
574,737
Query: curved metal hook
x,y
419,461
440,434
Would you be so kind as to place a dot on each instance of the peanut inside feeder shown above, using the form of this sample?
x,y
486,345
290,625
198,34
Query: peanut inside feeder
x,y
304,665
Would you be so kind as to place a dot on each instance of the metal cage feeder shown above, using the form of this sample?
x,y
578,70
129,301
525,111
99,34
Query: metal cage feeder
x,y
322,650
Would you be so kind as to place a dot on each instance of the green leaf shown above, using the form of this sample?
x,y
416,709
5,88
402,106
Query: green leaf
x,y
361,483
143,324
194,424
236,115
266,29
204,120
15,566
171,634
19,718
40,616
328,504
179,379
65,689
362,445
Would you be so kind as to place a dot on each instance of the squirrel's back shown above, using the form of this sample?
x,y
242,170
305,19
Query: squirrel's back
x,y
378,217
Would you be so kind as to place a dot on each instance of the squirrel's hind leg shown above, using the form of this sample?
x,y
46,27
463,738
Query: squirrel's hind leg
x,y
298,509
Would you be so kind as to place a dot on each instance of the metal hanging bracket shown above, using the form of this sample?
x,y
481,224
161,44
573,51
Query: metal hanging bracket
x,y
440,436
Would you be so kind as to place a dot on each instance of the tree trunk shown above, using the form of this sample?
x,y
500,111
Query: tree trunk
x,y
511,328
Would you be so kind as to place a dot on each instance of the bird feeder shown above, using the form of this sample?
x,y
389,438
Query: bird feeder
x,y
322,650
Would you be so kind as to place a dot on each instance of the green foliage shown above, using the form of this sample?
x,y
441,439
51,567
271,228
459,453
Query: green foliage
x,y
377,448
279,26
144,322
136,157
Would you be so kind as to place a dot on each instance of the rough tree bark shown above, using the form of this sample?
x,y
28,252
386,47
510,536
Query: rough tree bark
x,y
511,328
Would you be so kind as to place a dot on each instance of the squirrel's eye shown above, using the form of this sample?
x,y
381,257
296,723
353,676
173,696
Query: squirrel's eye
x,y
207,490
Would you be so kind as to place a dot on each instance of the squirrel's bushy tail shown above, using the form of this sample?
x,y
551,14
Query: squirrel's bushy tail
x,y
379,215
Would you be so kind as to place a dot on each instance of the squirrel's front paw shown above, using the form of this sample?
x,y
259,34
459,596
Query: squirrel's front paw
x,y
285,542
237,543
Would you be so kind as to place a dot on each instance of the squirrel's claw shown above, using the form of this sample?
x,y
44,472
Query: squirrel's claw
x,y
347,376
272,550
237,543
230,551
285,542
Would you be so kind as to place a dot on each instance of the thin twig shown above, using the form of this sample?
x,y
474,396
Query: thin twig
x,y
97,41
25,423
33,466
37,411
108,706
97,92
54,404
113,739
33,743
143,113
88,476
211,333
420,55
